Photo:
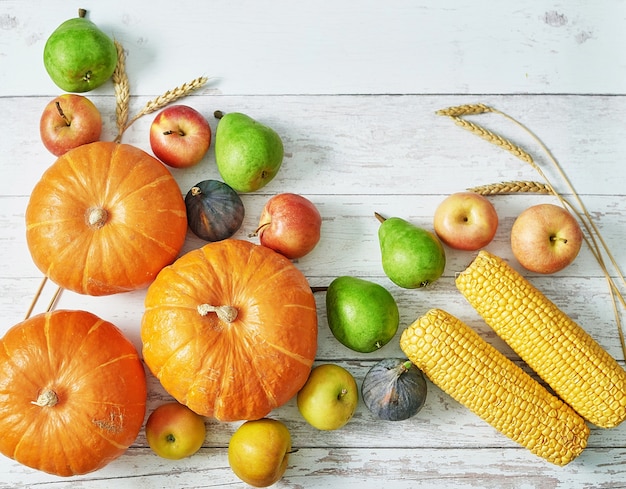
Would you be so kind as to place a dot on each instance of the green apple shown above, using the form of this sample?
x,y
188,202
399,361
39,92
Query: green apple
x,y
174,431
258,452
329,397
362,315
248,154
78,56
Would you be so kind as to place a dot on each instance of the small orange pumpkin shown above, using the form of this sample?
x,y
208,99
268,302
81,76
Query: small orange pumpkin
x,y
230,330
105,218
72,392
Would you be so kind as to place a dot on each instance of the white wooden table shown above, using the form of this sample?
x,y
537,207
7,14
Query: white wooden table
x,y
353,87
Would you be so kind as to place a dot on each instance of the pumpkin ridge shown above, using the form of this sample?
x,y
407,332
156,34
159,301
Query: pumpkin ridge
x,y
168,249
152,185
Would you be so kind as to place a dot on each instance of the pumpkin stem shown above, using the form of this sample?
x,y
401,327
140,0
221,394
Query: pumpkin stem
x,y
379,217
96,217
225,313
47,398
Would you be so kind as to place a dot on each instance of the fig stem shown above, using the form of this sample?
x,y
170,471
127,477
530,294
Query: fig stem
x,y
379,217
62,114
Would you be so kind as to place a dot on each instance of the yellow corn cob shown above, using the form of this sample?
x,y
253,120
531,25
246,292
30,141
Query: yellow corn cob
x,y
456,359
577,368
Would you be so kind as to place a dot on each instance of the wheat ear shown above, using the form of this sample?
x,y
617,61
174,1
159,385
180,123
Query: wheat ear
x,y
512,188
121,86
169,97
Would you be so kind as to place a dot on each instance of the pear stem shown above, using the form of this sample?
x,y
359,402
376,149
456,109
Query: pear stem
x,y
319,289
218,114
379,217
82,12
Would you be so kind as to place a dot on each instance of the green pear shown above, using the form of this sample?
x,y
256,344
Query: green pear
x,y
248,154
412,257
78,56
362,315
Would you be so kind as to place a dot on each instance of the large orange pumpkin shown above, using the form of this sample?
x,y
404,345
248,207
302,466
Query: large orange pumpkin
x,y
230,330
72,392
105,218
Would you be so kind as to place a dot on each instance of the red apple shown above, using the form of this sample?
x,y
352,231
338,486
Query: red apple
x,y
466,221
68,121
174,431
290,224
545,238
180,136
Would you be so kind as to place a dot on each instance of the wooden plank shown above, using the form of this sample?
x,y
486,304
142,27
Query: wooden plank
x,y
330,47
329,468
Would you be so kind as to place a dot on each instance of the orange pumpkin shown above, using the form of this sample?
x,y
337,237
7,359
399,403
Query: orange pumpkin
x,y
230,330
105,218
72,392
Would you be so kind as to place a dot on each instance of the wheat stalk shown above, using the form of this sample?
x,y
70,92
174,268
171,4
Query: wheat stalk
x,y
594,235
121,86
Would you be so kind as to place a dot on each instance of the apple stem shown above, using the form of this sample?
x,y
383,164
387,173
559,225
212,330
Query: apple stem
x,y
379,217
167,133
62,114
556,238
343,392
256,231
225,313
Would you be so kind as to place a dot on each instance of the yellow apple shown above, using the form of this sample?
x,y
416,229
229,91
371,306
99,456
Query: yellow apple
x,y
174,431
258,452
329,397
